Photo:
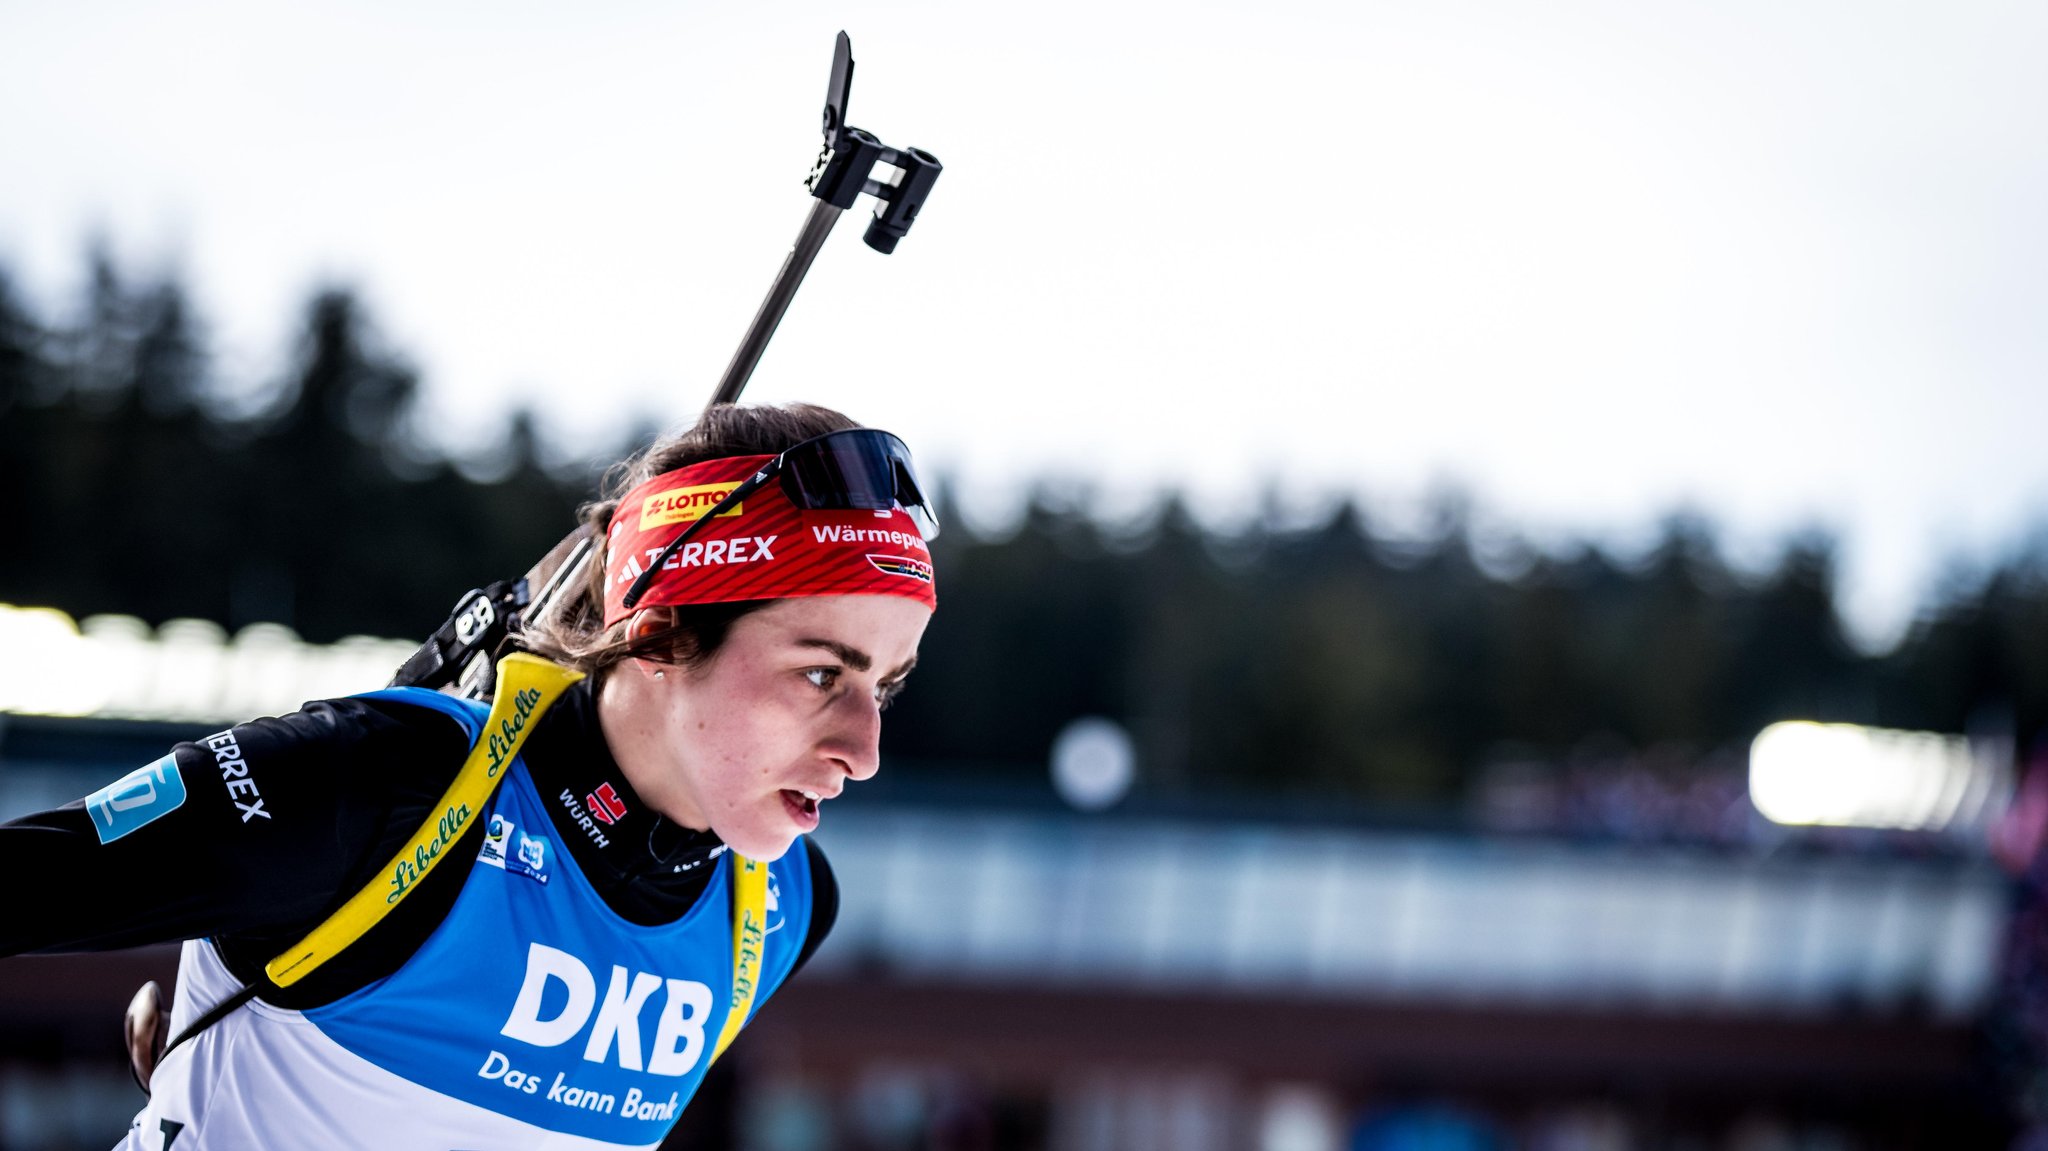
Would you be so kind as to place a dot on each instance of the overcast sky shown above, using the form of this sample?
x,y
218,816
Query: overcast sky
x,y
1785,264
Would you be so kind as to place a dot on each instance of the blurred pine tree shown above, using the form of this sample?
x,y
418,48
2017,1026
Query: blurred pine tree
x,y
1329,661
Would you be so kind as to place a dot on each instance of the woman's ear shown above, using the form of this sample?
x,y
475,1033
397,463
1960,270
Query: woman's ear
x,y
650,621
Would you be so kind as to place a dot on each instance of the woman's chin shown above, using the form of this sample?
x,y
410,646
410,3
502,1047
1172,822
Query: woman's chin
x,y
762,844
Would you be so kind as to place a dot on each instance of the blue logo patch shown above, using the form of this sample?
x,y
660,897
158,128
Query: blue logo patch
x,y
532,860
136,799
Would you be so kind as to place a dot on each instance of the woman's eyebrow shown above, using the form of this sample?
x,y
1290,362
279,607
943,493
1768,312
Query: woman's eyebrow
x,y
853,657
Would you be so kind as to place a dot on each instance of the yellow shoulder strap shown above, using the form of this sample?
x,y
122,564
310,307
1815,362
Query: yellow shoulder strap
x,y
527,684
749,934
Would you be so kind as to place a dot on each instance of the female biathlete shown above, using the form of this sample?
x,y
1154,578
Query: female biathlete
x,y
377,957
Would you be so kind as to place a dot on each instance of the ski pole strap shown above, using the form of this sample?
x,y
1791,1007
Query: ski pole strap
x,y
749,934
527,685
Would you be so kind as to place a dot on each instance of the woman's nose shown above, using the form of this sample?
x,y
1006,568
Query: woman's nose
x,y
857,743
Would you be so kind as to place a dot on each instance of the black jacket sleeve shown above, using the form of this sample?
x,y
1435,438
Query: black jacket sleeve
x,y
262,825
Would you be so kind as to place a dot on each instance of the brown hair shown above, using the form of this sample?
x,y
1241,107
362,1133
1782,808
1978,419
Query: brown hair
x,y
573,632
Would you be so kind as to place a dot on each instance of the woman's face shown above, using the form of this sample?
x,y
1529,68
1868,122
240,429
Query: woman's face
x,y
751,743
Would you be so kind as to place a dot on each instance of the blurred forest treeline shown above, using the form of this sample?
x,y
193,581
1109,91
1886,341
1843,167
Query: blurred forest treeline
x,y
1329,660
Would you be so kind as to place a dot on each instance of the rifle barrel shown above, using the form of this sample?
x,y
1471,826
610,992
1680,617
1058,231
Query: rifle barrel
x,y
817,226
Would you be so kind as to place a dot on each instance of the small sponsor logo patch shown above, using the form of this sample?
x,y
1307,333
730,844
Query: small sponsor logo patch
x,y
532,860
902,566
681,505
137,799
604,804
496,836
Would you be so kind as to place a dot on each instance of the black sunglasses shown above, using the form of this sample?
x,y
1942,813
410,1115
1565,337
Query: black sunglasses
x,y
853,469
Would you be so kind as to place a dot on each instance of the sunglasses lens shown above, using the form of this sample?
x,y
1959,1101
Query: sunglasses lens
x,y
913,499
858,468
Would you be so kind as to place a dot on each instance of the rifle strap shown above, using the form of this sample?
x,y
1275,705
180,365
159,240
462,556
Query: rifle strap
x,y
749,935
526,687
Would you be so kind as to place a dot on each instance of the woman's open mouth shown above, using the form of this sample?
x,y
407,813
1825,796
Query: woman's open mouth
x,y
803,807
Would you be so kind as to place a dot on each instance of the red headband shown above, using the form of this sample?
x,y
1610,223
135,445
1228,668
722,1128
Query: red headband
x,y
763,547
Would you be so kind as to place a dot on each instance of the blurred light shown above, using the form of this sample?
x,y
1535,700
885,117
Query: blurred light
x,y
1093,763
45,665
187,670
1842,775
1299,1117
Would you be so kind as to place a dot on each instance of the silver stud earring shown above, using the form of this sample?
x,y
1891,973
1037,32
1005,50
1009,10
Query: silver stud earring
x,y
660,674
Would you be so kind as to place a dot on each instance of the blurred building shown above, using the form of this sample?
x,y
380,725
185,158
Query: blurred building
x,y
1132,983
